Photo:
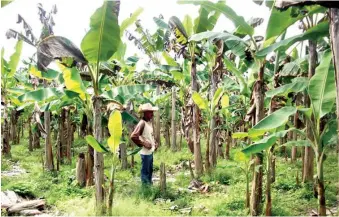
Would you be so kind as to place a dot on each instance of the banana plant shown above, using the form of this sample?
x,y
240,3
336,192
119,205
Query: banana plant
x,y
211,109
99,45
191,51
244,163
8,81
321,90
115,130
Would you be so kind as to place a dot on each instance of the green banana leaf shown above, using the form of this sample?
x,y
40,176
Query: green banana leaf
x,y
170,61
206,20
273,121
188,25
243,85
4,63
330,135
125,93
321,88
130,20
265,143
295,68
103,38
14,59
220,7
50,74
285,18
5,2
313,33
95,144
40,94
161,23
298,84
134,151
126,117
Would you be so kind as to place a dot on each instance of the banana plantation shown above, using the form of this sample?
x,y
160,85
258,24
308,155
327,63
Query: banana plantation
x,y
245,121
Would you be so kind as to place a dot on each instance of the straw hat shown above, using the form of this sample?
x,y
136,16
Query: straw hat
x,y
147,107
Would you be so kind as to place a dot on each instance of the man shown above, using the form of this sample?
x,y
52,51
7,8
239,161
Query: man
x,y
143,137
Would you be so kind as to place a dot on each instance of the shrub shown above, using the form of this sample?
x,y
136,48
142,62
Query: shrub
x,y
23,189
219,175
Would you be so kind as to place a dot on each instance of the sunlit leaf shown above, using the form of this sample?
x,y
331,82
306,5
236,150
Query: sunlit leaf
x,y
239,135
115,130
217,95
199,101
225,101
73,80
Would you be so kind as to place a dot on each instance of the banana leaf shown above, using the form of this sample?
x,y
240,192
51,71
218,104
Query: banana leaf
x,y
318,31
103,38
321,88
57,47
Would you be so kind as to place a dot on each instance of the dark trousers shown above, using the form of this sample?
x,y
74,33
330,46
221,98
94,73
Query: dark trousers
x,y
146,168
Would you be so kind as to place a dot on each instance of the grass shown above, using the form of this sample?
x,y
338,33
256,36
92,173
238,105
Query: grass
x,y
226,182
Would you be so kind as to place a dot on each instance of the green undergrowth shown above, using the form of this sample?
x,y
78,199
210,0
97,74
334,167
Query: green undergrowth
x,y
225,195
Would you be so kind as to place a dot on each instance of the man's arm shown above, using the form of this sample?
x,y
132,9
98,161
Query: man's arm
x,y
137,137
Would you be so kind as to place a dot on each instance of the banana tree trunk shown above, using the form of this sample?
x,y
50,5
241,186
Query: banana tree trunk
x,y
180,139
309,153
81,170
62,120
23,129
173,122
70,133
123,156
98,157
334,34
13,133
294,151
268,185
36,140
30,135
89,166
167,135
18,132
58,145
89,157
320,183
228,144
6,147
157,121
256,194
111,191
49,164
196,124
212,143
207,154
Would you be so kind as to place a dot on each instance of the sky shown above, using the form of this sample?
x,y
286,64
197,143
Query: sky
x,y
72,18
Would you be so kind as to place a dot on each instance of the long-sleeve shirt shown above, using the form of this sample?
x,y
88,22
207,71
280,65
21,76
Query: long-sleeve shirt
x,y
143,137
